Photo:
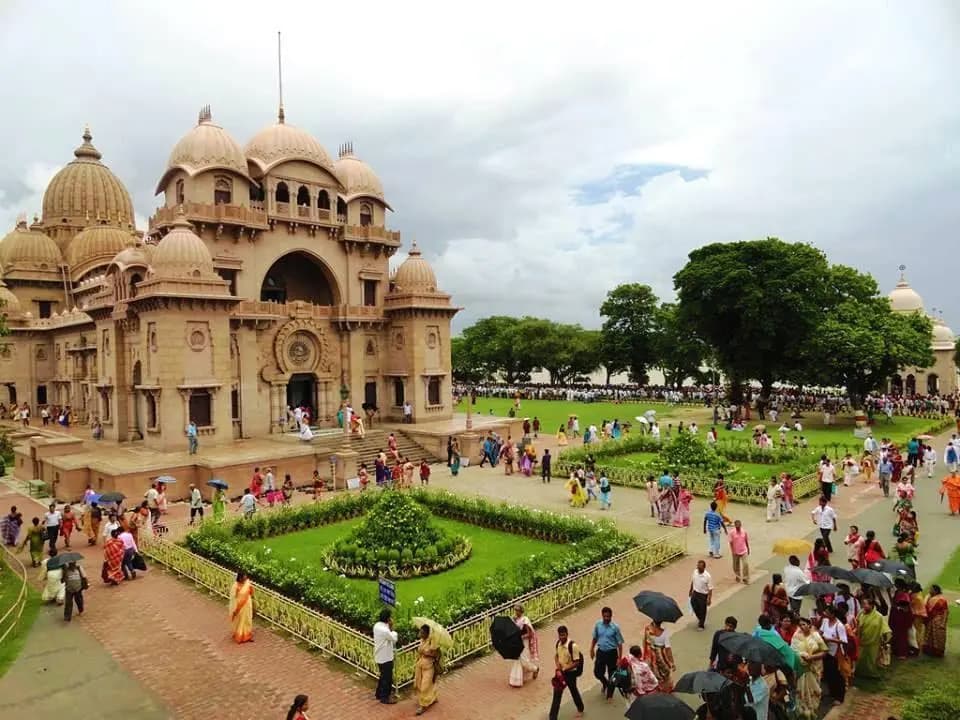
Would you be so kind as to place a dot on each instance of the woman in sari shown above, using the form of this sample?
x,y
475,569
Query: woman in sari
x,y
818,557
866,466
241,609
811,648
682,516
907,551
774,600
113,559
851,650
720,497
219,505
935,635
786,486
578,497
35,538
668,501
658,654
901,622
455,457
529,660
10,526
874,640
427,670
67,524
918,606
562,437
905,493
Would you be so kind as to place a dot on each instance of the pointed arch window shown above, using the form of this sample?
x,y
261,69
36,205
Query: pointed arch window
x,y
323,200
366,214
179,192
341,209
222,190
303,197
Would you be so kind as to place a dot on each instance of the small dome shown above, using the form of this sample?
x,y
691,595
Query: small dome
x,y
904,299
281,142
358,178
182,253
415,274
86,190
943,338
26,249
8,301
206,147
94,242
131,255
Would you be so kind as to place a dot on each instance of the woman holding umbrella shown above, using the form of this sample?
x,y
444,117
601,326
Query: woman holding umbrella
x,y
219,503
811,648
529,660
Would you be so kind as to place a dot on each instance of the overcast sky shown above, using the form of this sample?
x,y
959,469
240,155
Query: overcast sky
x,y
539,155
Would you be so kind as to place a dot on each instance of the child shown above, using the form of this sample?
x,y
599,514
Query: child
x,y
424,472
653,496
317,486
854,544
363,476
604,491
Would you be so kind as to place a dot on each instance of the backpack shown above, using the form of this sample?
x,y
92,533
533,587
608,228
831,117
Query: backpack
x,y
577,670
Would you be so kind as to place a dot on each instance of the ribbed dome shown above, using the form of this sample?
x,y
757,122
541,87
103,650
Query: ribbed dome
x,y
943,338
26,249
206,147
85,190
8,301
96,241
415,274
358,178
182,253
133,255
904,299
281,142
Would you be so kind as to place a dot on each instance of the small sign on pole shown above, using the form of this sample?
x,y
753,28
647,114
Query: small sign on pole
x,y
388,592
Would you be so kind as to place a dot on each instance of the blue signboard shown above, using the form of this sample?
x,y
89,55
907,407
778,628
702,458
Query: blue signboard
x,y
388,592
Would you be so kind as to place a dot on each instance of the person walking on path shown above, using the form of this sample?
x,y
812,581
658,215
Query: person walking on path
x,y
300,704
793,578
740,551
950,486
712,525
113,572
35,538
74,582
241,609
828,476
569,663
427,670
52,524
606,648
774,500
701,593
546,466
196,504
825,518
384,642
885,473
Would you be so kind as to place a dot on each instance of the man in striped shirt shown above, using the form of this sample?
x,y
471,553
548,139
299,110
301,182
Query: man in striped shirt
x,y
712,525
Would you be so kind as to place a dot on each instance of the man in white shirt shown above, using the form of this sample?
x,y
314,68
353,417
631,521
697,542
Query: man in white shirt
x,y
298,416
407,412
701,593
196,503
384,641
152,496
52,523
825,518
129,550
248,504
110,525
269,484
929,459
793,578
828,476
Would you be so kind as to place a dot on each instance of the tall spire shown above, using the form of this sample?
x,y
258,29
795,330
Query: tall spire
x,y
280,115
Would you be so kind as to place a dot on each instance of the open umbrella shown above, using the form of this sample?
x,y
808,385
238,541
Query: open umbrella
x,y
506,638
59,561
217,483
837,573
444,641
701,681
892,567
657,606
659,706
642,419
816,589
866,576
109,497
792,546
750,648
166,480
924,437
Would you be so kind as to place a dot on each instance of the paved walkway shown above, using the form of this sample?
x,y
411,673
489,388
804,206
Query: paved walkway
x,y
165,644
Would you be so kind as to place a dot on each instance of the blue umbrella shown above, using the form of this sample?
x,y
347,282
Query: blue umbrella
x,y
217,483
166,479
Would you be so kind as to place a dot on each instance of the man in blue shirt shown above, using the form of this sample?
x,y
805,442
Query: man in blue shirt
x,y
605,650
885,469
712,525
665,480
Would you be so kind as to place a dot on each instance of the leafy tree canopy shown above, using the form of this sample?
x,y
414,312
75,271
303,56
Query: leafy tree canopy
x,y
630,322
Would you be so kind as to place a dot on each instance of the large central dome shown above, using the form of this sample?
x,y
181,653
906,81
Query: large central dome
x,y
86,191
281,143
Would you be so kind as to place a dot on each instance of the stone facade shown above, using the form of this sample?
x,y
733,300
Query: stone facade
x,y
262,281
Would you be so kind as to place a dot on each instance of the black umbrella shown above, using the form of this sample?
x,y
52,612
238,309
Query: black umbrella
x,y
837,573
657,606
112,497
892,567
59,561
659,706
506,638
750,648
866,576
817,589
218,483
701,681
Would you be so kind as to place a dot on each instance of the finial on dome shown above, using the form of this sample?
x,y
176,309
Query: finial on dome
x,y
22,221
87,149
346,149
414,249
281,117
903,278
87,135
205,115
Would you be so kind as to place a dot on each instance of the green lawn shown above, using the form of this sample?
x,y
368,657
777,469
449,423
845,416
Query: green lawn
x,y
9,589
491,550
949,580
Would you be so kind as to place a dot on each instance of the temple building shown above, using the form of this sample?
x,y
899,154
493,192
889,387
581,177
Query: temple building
x,y
262,282
942,377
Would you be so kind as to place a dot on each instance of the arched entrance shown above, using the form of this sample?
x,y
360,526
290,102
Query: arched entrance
x,y
896,385
299,275
302,392
911,385
933,384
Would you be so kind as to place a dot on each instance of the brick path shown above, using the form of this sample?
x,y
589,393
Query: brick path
x,y
174,639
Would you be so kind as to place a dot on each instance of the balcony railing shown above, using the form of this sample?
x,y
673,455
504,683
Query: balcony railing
x,y
210,213
265,309
371,232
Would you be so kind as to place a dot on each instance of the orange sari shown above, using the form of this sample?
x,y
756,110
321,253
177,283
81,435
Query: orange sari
x,y
241,611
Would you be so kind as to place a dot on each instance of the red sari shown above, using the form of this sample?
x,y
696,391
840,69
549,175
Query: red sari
x,y
112,560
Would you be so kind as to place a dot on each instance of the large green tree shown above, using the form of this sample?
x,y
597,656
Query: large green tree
x,y
860,342
629,326
571,353
756,304
466,367
494,349
679,353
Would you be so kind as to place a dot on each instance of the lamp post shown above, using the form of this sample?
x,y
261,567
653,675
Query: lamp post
x,y
469,411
